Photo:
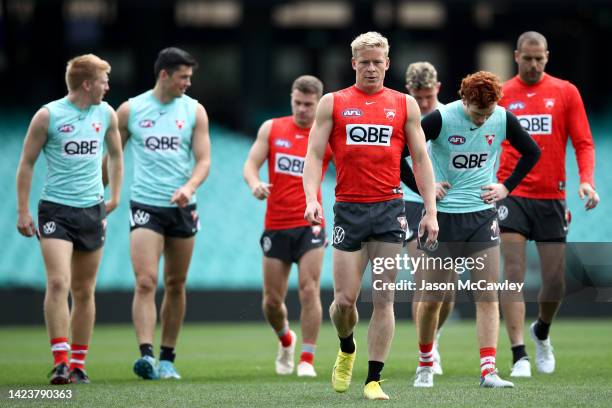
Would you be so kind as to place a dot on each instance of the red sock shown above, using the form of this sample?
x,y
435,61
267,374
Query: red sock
x,y
60,349
308,352
285,337
307,357
487,360
425,355
77,359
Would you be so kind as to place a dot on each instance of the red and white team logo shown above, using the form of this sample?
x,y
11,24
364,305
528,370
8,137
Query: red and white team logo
x,y
549,103
316,230
97,126
490,139
403,223
390,114
180,124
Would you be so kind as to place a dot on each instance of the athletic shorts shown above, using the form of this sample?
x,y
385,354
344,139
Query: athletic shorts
x,y
358,223
537,220
168,221
84,227
414,213
461,234
290,244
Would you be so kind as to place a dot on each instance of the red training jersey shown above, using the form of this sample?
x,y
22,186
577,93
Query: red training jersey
x,y
367,140
549,111
287,146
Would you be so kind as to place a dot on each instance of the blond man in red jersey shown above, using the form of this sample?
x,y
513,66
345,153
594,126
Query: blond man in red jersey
x,y
551,110
367,127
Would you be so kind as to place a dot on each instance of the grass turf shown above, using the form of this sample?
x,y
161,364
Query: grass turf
x,y
233,365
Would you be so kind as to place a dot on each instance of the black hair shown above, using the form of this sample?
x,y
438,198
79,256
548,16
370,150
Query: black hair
x,y
171,58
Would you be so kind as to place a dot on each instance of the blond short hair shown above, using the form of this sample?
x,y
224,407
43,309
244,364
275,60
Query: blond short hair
x,y
84,67
421,75
371,39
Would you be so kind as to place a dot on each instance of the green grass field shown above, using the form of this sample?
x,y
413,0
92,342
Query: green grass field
x,y
233,365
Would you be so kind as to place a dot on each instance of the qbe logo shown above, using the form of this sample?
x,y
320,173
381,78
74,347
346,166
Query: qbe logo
x,y
162,143
536,124
468,160
289,164
81,148
368,135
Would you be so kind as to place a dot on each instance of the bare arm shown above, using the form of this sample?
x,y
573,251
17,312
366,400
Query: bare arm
x,y
256,158
32,145
123,114
313,166
201,152
115,162
423,170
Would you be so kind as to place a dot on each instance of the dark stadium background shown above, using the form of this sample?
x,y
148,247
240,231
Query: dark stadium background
x,y
249,53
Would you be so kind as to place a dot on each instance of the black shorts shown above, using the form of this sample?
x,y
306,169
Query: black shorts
x,y
465,233
414,213
537,220
168,221
84,227
358,223
290,244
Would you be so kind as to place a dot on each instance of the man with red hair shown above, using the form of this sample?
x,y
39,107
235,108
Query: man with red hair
x,y
466,138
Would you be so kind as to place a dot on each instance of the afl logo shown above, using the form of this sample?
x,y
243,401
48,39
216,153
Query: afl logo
x,y
65,129
283,143
456,140
146,123
516,105
49,228
352,112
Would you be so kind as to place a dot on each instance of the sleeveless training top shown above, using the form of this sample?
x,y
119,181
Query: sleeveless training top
x,y
74,147
367,140
161,143
287,146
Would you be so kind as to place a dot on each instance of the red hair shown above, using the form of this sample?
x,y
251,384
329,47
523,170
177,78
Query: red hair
x,y
481,89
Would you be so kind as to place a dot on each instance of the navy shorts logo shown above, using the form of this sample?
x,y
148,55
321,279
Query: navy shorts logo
x,y
49,228
141,217
266,244
338,235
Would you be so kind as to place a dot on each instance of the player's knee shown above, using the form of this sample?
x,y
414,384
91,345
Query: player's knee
x,y
271,302
514,271
82,293
174,286
486,306
430,308
309,292
57,287
554,288
146,285
345,303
